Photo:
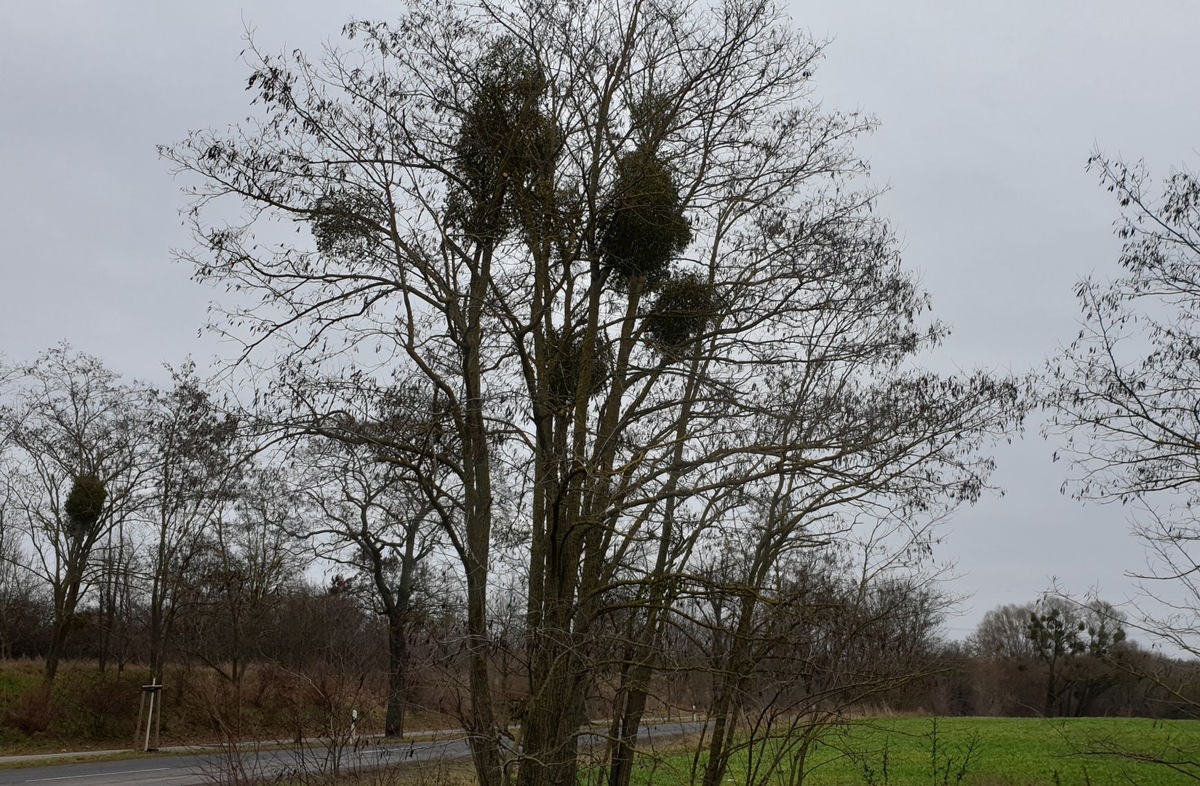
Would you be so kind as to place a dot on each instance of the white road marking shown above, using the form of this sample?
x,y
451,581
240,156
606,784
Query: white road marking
x,y
100,775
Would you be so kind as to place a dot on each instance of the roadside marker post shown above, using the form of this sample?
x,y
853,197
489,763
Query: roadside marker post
x,y
151,695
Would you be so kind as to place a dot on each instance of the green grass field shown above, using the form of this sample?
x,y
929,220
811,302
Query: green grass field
x,y
972,752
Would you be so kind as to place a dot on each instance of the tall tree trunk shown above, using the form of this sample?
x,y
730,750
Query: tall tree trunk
x,y
727,704
397,701
58,637
482,729
158,594
1051,690
64,614
555,715
627,725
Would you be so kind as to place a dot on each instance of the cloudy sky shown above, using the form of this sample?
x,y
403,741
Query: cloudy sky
x,y
989,112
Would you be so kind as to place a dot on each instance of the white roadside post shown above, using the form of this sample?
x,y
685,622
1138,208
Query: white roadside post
x,y
150,695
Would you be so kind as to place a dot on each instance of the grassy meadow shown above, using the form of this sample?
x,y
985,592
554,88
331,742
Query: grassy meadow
x,y
971,752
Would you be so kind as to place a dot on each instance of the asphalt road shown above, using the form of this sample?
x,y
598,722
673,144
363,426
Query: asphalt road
x,y
207,768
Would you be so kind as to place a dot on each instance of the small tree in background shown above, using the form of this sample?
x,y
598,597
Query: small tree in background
x,y
194,463
1055,634
73,469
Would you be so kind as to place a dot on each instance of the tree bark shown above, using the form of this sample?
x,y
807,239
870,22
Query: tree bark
x,y
397,701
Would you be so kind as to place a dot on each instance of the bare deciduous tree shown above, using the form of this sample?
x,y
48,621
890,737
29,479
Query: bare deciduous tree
x,y
622,248
1003,633
377,506
21,599
73,469
245,566
1125,394
192,473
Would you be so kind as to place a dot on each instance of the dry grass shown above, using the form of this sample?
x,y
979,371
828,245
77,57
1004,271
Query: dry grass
x,y
90,710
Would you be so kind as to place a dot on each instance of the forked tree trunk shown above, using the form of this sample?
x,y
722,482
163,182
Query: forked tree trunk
x,y
64,614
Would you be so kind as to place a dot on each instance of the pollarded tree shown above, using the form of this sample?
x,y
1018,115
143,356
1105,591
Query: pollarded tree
x,y
620,246
376,523
76,458
371,460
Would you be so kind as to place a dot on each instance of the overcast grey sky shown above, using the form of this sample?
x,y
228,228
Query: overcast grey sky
x,y
989,112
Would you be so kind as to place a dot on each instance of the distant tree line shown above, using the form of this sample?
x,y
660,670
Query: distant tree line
x,y
156,526
151,526
1060,658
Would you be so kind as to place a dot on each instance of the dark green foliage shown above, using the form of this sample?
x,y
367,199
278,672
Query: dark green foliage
x,y
685,306
646,227
85,505
1055,634
345,223
504,143
566,362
